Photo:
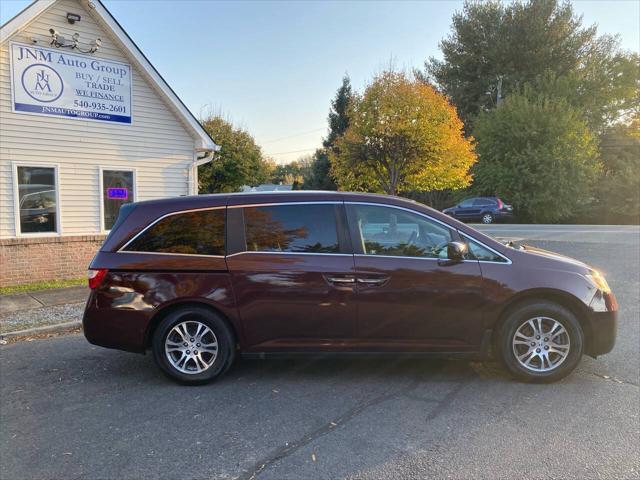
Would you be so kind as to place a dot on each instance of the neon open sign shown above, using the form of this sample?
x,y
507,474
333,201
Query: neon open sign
x,y
118,193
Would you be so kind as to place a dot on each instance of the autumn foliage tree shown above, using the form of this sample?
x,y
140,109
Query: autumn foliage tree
x,y
403,135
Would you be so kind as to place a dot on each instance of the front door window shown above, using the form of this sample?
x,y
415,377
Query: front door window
x,y
388,231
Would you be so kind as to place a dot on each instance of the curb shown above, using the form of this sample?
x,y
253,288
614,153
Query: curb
x,y
60,327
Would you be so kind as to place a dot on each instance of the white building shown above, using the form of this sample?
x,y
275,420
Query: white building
x,y
86,124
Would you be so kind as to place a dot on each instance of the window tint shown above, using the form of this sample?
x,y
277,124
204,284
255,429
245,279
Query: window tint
x,y
37,199
478,252
117,189
481,202
466,203
196,233
292,228
392,232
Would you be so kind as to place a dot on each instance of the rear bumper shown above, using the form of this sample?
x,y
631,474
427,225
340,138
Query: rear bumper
x,y
119,329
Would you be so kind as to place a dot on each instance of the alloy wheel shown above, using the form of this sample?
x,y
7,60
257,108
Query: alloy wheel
x,y
191,347
541,344
487,218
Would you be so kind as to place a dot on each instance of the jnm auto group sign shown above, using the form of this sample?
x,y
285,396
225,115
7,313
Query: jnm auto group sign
x,y
54,82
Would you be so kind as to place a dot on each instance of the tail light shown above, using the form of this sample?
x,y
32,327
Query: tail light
x,y
500,204
95,277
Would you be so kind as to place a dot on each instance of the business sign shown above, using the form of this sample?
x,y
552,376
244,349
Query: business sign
x,y
48,81
117,193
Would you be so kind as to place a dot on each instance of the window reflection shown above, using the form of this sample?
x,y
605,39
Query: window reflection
x,y
37,199
392,232
475,251
291,228
196,233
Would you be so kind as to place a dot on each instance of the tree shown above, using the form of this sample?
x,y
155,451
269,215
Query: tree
x,y
618,189
238,163
339,113
319,177
538,153
520,42
403,135
293,173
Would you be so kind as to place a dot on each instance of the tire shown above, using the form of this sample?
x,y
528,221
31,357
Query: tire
x,y
206,330
487,218
559,355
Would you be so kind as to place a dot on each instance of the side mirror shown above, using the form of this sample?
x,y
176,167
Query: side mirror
x,y
456,251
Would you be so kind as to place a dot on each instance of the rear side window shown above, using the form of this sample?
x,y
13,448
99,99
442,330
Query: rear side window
x,y
199,232
309,228
481,202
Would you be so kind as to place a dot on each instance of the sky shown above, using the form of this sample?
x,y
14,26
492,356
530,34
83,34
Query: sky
x,y
272,67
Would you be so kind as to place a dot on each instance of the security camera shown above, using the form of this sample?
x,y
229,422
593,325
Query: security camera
x,y
57,39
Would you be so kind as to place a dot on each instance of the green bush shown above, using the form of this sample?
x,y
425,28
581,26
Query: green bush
x,y
539,154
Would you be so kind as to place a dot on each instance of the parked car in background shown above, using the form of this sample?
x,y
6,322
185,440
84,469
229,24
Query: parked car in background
x,y
484,209
38,210
199,280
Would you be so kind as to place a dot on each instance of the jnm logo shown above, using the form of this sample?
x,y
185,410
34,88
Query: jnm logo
x,y
42,81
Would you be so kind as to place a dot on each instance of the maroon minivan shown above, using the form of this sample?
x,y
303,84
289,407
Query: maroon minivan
x,y
199,280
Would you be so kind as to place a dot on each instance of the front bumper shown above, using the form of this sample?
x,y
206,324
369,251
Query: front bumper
x,y
603,324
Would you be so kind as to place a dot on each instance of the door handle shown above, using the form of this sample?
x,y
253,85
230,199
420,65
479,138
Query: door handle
x,y
373,281
340,280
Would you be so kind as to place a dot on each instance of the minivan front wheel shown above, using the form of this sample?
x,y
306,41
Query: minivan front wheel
x,y
193,345
541,342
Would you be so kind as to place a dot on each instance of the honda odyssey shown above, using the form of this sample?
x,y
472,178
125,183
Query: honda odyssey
x,y
199,280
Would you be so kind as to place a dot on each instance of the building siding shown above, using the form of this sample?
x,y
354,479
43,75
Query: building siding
x,y
157,144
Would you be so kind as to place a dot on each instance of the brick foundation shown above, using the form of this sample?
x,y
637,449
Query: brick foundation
x,y
27,260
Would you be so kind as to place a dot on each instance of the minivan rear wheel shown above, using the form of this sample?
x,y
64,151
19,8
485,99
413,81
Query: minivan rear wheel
x,y
193,345
487,218
540,342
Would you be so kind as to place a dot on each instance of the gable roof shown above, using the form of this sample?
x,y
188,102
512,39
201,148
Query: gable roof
x,y
111,25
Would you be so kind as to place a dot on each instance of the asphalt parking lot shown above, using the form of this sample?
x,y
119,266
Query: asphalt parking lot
x,y
70,410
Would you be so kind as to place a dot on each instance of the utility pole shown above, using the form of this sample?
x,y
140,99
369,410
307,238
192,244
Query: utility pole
x,y
499,99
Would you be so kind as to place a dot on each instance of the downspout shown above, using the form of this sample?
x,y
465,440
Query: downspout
x,y
200,157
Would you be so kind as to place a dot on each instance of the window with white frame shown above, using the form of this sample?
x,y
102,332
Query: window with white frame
x,y
118,188
37,199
